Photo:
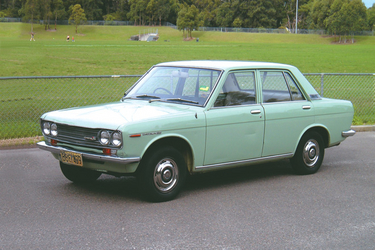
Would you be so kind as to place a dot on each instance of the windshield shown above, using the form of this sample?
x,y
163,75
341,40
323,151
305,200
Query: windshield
x,y
190,86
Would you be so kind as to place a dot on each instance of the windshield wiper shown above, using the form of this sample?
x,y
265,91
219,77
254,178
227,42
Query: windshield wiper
x,y
148,96
152,97
182,100
172,99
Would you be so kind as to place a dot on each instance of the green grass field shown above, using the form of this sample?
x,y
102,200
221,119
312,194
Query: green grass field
x,y
106,50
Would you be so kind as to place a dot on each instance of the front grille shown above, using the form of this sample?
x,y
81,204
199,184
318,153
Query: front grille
x,y
79,136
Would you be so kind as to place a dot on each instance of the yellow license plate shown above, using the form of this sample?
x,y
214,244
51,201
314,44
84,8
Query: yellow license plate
x,y
71,158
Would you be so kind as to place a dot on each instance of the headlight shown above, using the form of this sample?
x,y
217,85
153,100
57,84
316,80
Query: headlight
x,y
54,129
104,137
47,128
117,139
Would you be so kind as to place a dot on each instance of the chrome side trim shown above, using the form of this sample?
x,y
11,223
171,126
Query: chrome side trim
x,y
243,162
348,133
104,158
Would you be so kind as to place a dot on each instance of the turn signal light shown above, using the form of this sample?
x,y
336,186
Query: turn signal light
x,y
107,151
53,142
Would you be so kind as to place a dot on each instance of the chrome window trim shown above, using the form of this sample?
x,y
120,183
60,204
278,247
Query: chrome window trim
x,y
235,106
271,103
255,88
298,85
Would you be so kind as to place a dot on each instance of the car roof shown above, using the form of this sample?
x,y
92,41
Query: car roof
x,y
226,65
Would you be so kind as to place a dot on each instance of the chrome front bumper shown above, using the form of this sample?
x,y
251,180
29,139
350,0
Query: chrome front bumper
x,y
348,133
88,156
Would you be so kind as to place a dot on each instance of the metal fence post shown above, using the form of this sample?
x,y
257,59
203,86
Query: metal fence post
x,y
321,84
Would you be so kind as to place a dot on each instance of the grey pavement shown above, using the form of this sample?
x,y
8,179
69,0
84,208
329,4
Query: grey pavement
x,y
256,207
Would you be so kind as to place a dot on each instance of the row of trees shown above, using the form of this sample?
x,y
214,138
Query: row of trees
x,y
336,16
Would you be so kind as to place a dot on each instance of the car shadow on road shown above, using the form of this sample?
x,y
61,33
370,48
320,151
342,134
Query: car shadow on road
x,y
109,187
245,174
126,187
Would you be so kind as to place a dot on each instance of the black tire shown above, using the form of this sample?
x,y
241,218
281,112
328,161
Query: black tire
x,y
78,174
309,154
162,174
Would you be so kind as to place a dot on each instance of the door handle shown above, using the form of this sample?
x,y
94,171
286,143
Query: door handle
x,y
306,107
255,111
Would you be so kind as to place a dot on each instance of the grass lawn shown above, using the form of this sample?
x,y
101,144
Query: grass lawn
x,y
106,50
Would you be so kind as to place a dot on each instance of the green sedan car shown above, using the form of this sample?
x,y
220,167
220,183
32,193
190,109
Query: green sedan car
x,y
187,117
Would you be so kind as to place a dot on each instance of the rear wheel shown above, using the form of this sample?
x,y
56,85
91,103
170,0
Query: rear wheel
x,y
78,174
162,174
309,154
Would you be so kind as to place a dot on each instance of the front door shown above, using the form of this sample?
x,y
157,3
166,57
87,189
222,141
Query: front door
x,y
235,125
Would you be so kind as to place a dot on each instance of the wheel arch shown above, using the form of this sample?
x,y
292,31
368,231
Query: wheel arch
x,y
324,133
181,144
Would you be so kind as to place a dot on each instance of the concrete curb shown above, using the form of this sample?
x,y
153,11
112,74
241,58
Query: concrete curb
x,y
364,128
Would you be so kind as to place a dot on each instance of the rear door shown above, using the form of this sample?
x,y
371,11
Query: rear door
x,y
287,112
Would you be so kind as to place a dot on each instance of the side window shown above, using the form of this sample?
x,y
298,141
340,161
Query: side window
x,y
296,93
238,89
274,87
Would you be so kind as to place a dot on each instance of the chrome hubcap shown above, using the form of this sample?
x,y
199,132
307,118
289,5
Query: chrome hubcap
x,y
311,153
166,175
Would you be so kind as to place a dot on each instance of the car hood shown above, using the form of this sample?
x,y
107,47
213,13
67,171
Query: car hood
x,y
114,115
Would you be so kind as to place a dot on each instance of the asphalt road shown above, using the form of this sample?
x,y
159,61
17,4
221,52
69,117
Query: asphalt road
x,y
258,207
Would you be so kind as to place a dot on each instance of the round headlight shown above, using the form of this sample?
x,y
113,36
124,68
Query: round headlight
x,y
104,137
117,139
54,129
47,128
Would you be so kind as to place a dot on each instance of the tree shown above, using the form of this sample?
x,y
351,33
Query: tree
x,y
207,11
163,9
225,15
45,9
356,16
237,23
30,10
58,9
262,14
319,12
151,10
12,8
335,23
138,11
188,19
181,20
78,16
371,17
304,18
93,10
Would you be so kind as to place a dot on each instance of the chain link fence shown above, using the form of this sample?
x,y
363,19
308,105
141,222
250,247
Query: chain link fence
x,y
358,88
24,99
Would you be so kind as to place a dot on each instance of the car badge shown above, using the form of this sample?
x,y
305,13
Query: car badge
x,y
90,138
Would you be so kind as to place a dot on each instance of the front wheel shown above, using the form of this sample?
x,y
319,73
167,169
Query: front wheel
x,y
162,174
309,154
78,174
